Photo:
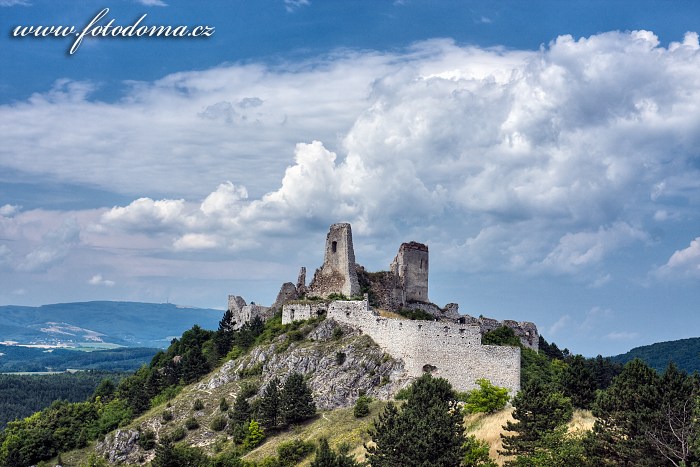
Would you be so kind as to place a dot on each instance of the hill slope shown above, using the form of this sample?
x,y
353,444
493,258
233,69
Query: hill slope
x,y
685,353
102,324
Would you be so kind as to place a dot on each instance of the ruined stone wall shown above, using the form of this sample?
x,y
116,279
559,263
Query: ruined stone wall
x,y
411,267
453,350
337,274
302,311
243,313
525,330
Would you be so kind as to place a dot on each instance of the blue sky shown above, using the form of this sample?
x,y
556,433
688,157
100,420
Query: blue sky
x,y
547,152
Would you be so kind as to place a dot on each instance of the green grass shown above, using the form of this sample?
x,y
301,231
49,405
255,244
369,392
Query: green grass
x,y
339,426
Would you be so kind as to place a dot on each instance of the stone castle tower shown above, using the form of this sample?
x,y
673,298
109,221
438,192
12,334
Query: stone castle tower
x,y
410,267
338,273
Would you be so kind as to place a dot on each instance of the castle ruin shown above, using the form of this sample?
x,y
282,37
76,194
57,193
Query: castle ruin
x,y
448,345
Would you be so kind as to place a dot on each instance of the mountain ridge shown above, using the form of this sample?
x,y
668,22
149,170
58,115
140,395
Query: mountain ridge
x,y
101,323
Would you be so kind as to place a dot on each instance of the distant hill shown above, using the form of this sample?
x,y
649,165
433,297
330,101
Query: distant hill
x,y
102,324
685,353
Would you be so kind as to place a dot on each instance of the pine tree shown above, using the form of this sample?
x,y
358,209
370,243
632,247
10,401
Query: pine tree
x,y
426,432
624,412
578,382
240,416
296,401
538,411
269,408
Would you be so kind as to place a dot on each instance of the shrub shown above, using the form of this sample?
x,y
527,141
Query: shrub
x,y
403,394
248,389
177,434
340,357
337,333
223,405
167,416
416,314
218,423
147,440
488,398
191,423
251,370
198,404
290,453
361,408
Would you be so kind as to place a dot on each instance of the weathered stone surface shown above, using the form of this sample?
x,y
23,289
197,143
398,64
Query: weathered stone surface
x,y
337,274
454,349
243,313
364,367
287,292
119,446
410,266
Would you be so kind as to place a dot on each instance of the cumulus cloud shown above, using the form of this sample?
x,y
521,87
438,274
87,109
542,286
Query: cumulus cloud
x,y
54,247
548,161
97,279
683,263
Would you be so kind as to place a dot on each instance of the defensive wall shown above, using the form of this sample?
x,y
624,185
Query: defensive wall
x,y
449,350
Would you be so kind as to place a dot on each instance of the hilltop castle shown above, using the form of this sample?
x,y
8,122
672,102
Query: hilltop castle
x,y
449,345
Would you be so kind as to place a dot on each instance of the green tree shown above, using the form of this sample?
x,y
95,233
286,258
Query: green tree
x,y
296,401
254,436
476,453
502,335
624,412
269,408
170,455
578,382
488,398
240,416
558,449
538,411
327,457
361,408
427,431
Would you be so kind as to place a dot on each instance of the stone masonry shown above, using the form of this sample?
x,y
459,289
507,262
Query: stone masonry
x,y
243,313
446,349
338,273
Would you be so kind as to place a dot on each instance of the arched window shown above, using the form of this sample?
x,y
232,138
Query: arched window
x,y
334,247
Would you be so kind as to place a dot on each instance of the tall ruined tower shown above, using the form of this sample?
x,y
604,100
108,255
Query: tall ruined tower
x,y
338,274
411,269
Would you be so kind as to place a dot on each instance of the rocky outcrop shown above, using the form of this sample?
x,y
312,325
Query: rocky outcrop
x,y
338,361
120,447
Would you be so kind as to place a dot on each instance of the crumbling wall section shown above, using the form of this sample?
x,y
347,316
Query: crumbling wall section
x,y
525,330
411,268
337,274
449,350
302,311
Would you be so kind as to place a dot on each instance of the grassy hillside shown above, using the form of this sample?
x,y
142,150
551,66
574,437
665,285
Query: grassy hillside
x,y
685,353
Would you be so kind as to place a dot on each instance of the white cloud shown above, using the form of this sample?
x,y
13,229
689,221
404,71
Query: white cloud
x,y
561,323
54,247
8,210
582,249
97,279
621,336
152,2
683,263
14,3
291,5
548,161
